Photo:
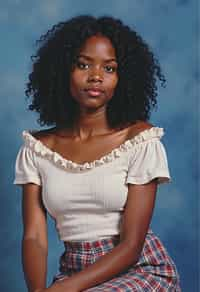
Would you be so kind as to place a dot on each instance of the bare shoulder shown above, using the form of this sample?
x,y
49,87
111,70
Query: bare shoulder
x,y
47,136
138,127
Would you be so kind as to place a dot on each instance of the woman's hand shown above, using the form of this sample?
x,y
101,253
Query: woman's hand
x,y
40,290
61,286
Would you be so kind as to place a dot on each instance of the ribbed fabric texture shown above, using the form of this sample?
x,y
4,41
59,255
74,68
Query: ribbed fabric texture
x,y
87,201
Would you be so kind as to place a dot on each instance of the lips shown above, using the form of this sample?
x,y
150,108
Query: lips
x,y
94,91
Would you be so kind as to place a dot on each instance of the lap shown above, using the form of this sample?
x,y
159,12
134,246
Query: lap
x,y
155,270
136,282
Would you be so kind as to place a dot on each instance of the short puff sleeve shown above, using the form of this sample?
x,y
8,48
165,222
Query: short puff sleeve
x,y
26,170
147,162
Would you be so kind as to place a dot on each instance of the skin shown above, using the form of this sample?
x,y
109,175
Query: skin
x,y
93,69
96,67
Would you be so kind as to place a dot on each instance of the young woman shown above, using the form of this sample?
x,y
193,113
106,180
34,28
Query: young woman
x,y
96,170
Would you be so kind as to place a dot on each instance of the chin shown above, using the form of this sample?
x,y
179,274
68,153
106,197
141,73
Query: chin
x,y
91,106
92,103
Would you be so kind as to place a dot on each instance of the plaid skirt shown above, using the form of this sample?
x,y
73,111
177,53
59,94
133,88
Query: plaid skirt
x,y
154,271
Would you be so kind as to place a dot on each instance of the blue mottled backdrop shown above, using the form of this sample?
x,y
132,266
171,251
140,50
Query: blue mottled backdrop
x,y
170,27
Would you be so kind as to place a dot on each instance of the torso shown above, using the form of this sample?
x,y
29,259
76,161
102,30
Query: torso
x,y
71,148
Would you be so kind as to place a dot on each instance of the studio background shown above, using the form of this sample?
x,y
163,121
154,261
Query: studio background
x,y
170,28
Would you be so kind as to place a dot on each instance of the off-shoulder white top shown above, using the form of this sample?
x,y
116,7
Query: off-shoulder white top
x,y
87,200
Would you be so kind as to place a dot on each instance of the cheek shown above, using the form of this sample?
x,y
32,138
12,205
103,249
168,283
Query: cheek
x,y
116,81
75,82
113,83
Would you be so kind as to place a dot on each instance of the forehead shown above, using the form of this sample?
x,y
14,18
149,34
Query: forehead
x,y
98,46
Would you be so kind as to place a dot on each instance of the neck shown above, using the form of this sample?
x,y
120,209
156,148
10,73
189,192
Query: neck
x,y
91,124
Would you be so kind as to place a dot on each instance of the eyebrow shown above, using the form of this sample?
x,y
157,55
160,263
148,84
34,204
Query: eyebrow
x,y
90,58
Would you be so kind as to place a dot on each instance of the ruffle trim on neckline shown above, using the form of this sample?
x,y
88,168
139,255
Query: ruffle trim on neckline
x,y
43,151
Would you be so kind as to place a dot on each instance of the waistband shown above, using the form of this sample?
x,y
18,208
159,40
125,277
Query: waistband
x,y
94,243
88,245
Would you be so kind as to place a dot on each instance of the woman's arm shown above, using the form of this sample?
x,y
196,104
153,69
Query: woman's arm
x,y
136,219
34,242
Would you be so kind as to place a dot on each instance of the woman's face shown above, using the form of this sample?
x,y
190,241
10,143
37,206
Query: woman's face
x,y
94,76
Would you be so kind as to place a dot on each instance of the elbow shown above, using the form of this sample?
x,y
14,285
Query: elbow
x,y
28,240
133,248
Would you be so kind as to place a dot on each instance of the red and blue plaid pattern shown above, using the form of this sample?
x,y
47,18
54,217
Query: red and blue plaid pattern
x,y
155,271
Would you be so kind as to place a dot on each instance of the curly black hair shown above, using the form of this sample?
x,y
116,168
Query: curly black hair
x,y
138,71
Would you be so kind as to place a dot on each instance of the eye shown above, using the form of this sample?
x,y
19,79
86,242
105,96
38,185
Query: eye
x,y
82,65
110,69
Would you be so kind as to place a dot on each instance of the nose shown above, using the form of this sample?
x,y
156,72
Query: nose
x,y
95,75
